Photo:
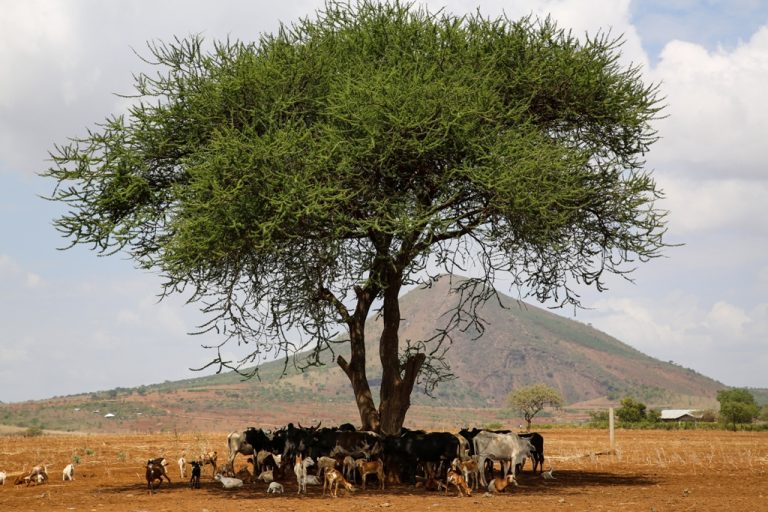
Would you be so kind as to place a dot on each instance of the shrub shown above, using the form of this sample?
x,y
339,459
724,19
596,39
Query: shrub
x,y
33,432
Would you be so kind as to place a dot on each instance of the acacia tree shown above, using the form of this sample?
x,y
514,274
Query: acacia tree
x,y
296,184
531,400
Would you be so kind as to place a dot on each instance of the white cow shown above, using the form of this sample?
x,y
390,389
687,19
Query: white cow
x,y
509,449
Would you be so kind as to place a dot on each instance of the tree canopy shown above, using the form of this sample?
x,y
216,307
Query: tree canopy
x,y
737,405
631,411
296,183
531,400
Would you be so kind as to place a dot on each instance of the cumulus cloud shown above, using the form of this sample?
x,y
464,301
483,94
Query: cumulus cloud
x,y
716,109
715,204
722,340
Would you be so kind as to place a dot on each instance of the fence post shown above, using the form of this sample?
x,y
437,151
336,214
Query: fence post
x,y
611,430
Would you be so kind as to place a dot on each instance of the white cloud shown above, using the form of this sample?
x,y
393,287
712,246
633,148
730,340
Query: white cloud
x,y
723,341
715,204
716,107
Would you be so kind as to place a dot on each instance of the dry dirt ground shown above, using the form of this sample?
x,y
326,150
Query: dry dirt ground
x,y
651,471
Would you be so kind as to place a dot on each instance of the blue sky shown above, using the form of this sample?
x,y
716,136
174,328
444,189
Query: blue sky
x,y
74,322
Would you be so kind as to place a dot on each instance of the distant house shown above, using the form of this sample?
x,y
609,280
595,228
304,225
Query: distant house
x,y
680,415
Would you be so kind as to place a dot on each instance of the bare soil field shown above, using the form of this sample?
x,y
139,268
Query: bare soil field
x,y
651,471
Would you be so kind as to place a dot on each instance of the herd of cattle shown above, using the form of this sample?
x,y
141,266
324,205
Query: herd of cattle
x,y
344,456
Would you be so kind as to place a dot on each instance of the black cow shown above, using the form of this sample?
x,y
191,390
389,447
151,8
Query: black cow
x,y
340,443
414,447
537,456
296,441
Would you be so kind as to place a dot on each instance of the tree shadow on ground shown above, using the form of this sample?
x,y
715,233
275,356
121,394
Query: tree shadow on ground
x,y
564,482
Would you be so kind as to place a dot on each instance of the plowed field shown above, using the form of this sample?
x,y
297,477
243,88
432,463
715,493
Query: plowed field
x,y
651,470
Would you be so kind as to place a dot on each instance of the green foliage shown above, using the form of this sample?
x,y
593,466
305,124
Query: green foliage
x,y
764,413
631,411
737,405
531,400
337,159
598,419
33,432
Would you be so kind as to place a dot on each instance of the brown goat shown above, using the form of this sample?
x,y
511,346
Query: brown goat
x,y
374,467
156,471
498,484
333,478
456,479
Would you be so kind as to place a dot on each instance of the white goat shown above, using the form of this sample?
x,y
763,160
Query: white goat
x,y
182,466
266,476
300,468
275,488
68,473
227,482
3,475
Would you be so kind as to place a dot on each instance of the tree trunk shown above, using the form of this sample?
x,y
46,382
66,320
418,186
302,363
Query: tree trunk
x,y
396,381
355,370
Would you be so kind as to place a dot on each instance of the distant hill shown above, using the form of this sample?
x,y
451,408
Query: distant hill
x,y
522,345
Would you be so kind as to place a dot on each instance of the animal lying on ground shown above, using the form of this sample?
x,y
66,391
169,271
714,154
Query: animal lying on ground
x,y
266,476
333,478
547,475
227,482
275,488
498,484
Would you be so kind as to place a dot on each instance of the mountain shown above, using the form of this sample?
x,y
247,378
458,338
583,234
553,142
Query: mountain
x,y
522,344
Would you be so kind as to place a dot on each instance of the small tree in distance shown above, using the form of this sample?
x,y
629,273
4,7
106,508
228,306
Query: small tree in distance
x,y
737,406
531,400
631,411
